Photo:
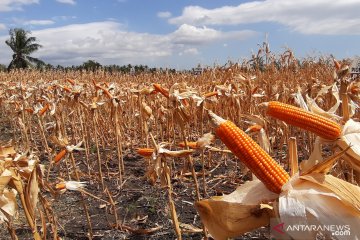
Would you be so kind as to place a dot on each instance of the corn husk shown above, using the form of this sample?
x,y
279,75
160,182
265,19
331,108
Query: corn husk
x,y
239,212
311,198
351,137
321,199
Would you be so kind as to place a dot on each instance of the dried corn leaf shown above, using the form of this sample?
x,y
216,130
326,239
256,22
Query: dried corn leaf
x,y
8,205
4,179
315,156
299,100
264,141
180,153
325,166
239,212
165,176
141,230
188,228
6,151
32,191
347,192
154,171
313,107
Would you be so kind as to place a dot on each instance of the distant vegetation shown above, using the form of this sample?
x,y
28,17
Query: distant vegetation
x,y
22,46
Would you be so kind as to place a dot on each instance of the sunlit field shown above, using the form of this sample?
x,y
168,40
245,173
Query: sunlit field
x,y
148,155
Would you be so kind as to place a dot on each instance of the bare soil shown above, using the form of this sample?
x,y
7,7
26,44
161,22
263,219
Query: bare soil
x,y
141,206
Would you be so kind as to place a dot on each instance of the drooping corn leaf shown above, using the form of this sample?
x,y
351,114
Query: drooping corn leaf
x,y
32,191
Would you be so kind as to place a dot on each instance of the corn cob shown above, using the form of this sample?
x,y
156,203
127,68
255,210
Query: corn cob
x,y
251,154
193,145
306,120
29,110
337,64
210,94
66,89
71,81
162,90
60,186
44,109
354,89
145,152
60,155
107,93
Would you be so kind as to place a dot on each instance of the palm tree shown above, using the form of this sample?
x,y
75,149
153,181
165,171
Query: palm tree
x,y
22,45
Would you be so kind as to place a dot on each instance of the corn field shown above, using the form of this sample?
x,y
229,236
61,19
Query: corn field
x,y
99,155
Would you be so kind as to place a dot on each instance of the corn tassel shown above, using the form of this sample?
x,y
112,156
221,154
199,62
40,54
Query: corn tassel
x,y
306,120
251,154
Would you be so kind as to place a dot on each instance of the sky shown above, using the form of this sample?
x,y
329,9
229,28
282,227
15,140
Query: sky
x,y
180,34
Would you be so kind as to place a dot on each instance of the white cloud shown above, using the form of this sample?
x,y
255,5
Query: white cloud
x,y
307,16
187,34
189,51
43,22
39,22
106,42
2,26
110,42
71,2
164,14
12,5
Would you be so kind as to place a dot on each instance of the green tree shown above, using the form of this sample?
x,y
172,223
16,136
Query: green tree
x,y
91,65
22,45
2,67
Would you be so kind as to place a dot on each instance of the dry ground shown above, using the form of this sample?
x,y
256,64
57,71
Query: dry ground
x,y
140,205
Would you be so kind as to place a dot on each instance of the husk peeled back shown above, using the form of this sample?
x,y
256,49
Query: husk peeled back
x,y
321,199
350,140
239,212
313,198
351,137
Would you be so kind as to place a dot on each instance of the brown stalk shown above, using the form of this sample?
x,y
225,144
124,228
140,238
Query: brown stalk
x,y
82,198
117,223
94,112
118,144
11,230
293,156
174,216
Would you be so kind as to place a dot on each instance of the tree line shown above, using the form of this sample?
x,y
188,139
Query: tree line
x,y
23,45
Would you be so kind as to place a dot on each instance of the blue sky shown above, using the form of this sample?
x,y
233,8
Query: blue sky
x,y
180,34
